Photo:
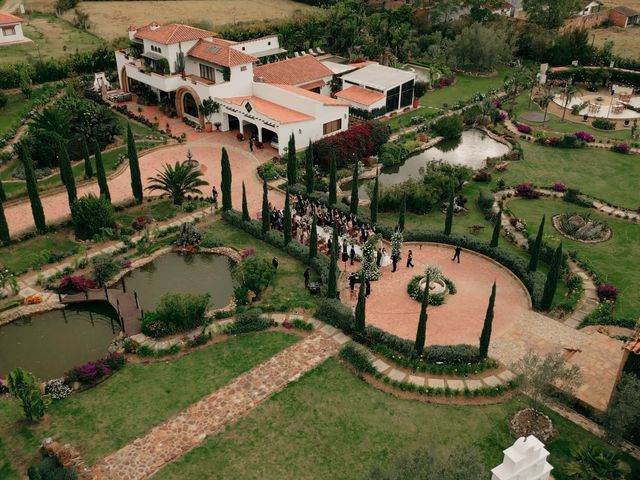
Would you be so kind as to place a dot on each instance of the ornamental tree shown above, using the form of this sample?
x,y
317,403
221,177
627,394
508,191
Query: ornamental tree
x,y
134,166
313,239
88,169
4,227
421,334
292,162
225,184
286,228
369,267
375,196
552,279
32,187
66,172
266,224
360,308
448,222
24,387
485,336
245,207
100,173
534,251
308,169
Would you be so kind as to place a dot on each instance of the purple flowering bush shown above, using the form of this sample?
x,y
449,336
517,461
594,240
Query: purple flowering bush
x,y
525,190
91,372
79,283
621,148
523,128
585,136
607,292
559,187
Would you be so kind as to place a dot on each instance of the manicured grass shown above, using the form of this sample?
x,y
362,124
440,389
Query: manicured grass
x,y
52,38
555,126
613,259
464,88
332,425
19,257
607,175
286,290
135,399
159,210
16,107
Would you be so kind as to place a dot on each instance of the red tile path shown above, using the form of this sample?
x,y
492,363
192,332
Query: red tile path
x,y
206,148
461,317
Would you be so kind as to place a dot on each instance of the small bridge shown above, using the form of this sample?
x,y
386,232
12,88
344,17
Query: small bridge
x,y
125,304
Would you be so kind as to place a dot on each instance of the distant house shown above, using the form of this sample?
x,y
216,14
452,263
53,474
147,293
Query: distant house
x,y
590,7
624,17
11,29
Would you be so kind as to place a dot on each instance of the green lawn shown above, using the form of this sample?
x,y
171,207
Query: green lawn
x,y
607,175
19,257
17,106
464,88
331,425
52,38
135,399
613,259
555,125
286,290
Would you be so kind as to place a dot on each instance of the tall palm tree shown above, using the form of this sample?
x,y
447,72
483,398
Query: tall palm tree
x,y
177,180
593,462
569,92
55,120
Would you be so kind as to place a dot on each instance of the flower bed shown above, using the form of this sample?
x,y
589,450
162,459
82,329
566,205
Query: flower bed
x,y
91,372
523,128
532,422
585,136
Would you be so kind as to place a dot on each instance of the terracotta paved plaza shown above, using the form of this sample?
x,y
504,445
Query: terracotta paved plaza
x,y
206,149
461,317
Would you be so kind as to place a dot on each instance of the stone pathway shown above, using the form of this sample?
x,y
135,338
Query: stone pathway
x,y
183,432
589,300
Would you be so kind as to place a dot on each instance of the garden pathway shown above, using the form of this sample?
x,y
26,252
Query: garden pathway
x,y
186,430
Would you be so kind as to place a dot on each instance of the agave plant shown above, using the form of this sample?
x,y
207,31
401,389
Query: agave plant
x,y
593,462
177,180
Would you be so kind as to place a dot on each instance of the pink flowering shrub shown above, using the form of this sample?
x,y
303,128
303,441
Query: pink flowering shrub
x,y
126,264
246,253
559,187
585,136
552,141
523,128
502,116
621,148
91,372
79,283
496,102
607,292
525,190
444,81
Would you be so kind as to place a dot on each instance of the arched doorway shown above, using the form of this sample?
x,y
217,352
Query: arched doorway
x,y
189,105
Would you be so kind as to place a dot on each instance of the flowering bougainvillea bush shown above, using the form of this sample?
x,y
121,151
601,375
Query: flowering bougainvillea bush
x,y
525,190
621,148
361,140
444,81
585,136
78,283
607,292
91,372
559,187
523,128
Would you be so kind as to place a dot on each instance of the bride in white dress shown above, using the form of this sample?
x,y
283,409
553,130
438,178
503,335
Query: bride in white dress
x,y
386,259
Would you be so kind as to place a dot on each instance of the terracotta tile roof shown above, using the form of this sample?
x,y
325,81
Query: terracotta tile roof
x,y
218,52
313,96
626,11
272,110
293,71
6,17
171,34
312,85
360,95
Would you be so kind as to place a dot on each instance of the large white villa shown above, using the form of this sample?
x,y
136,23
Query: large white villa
x,y
255,91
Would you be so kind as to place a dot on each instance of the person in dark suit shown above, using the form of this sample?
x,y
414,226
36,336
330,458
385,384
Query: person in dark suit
x,y
352,284
306,278
275,262
394,259
367,288
457,253
378,258
352,254
410,259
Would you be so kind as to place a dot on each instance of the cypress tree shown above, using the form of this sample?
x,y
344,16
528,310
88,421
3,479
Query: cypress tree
x,y
292,162
360,308
66,172
403,210
448,222
332,281
534,251
313,240
333,180
88,169
485,336
134,166
4,227
421,334
245,207
496,229
287,219
373,206
308,169
100,173
354,190
266,214
3,195
32,188
225,184
552,279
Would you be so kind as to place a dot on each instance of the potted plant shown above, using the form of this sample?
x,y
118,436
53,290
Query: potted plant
x,y
209,107
217,125
168,129
239,136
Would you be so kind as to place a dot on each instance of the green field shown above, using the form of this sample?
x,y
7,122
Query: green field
x,y
21,256
17,107
331,425
135,399
606,175
612,260
52,38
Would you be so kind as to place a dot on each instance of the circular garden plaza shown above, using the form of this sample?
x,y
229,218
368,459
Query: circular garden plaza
x,y
212,273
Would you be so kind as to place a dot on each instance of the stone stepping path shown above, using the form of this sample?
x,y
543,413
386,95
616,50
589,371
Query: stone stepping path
x,y
186,430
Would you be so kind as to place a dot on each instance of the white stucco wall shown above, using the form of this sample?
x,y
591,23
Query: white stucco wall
x,y
18,37
258,45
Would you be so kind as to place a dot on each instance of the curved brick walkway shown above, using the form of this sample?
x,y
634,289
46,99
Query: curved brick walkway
x,y
181,433
206,149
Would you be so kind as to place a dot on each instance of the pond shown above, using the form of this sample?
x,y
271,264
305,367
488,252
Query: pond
x,y
472,149
183,273
49,344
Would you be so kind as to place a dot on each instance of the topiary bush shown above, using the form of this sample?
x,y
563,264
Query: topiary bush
x,y
104,267
357,357
450,126
90,215
335,313
249,321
